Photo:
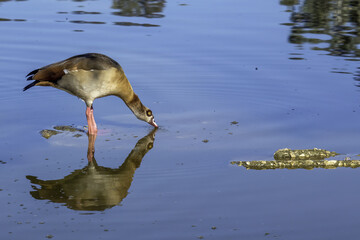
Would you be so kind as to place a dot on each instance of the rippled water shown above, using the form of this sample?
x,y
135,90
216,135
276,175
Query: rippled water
x,y
227,80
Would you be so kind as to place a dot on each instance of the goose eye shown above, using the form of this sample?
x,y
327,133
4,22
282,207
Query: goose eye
x,y
149,146
149,113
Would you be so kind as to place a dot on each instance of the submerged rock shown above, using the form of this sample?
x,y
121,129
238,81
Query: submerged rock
x,y
303,154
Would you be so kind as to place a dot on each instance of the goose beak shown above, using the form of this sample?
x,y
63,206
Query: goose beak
x,y
153,123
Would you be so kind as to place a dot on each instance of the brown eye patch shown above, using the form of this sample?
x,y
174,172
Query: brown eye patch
x,y
149,113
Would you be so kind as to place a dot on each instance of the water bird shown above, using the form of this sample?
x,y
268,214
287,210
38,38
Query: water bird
x,y
90,76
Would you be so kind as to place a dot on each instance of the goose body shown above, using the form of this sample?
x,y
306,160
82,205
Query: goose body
x,y
90,76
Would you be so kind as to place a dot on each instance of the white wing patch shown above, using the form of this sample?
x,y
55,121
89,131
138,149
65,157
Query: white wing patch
x,y
70,71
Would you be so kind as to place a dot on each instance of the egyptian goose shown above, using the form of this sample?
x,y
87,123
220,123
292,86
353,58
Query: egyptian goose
x,y
90,76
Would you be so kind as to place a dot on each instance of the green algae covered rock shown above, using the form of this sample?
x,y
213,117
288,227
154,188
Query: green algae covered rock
x,y
303,154
297,164
48,133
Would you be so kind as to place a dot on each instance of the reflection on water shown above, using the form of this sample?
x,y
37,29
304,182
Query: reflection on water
x,y
329,25
87,22
124,8
15,20
94,188
139,8
357,77
84,12
136,24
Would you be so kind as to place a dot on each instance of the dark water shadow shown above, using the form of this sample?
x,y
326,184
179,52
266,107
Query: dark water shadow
x,y
94,188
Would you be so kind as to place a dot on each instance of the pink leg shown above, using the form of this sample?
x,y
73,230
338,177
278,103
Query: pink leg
x,y
90,119
91,147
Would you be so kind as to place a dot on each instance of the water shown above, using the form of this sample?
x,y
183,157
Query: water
x,y
286,71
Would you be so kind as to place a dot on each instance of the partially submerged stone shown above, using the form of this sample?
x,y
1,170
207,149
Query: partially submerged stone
x,y
47,133
296,164
300,159
67,128
303,154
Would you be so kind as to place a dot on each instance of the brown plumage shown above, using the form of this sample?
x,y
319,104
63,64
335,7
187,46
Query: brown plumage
x,y
90,76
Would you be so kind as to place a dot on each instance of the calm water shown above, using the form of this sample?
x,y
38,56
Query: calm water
x,y
286,71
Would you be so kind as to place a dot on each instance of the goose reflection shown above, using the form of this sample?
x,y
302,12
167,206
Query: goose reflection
x,y
94,188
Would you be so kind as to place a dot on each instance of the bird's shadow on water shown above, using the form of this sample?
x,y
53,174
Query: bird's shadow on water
x,y
94,188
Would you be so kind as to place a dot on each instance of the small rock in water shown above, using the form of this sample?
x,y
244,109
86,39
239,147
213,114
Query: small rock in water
x,y
47,133
68,128
303,154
